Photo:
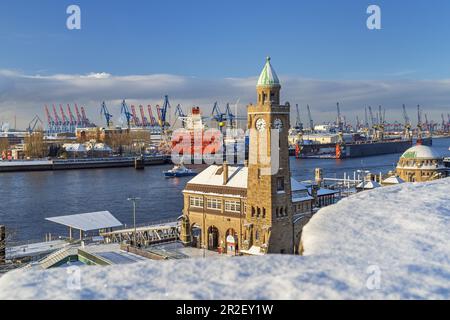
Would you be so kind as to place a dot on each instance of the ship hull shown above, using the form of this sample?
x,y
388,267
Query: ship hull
x,y
354,150
375,148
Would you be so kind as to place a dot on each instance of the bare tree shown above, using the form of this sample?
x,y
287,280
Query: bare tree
x,y
35,146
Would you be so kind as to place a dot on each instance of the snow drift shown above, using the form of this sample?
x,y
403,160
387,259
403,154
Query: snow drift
x,y
389,243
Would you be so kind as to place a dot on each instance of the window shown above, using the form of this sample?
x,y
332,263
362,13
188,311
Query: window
x,y
264,213
280,184
233,206
253,211
196,202
215,204
258,212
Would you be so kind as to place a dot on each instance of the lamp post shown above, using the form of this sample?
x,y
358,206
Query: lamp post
x,y
134,199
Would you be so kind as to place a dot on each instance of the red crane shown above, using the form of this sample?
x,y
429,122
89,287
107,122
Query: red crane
x,y
152,118
85,119
136,120
79,119
49,118
144,119
72,118
57,120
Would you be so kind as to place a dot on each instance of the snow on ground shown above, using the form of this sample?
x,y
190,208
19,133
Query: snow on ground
x,y
387,243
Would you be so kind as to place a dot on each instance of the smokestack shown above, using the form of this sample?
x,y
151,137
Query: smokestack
x,y
2,244
225,172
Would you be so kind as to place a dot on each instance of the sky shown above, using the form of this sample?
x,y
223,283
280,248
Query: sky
x,y
203,51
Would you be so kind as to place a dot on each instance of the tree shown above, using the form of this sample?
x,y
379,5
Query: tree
x,y
35,146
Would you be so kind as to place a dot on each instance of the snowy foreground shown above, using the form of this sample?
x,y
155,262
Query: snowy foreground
x,y
388,243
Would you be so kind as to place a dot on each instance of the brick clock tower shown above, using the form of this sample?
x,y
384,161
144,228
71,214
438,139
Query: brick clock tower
x,y
269,227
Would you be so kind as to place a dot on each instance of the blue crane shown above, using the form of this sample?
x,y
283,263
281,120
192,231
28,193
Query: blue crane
x,y
126,112
104,111
163,113
218,116
179,113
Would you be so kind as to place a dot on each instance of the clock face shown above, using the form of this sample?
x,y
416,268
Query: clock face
x,y
260,124
278,124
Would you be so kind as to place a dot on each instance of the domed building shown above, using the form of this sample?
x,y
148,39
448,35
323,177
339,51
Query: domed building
x,y
421,163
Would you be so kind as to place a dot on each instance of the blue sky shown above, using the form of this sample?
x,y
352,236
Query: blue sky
x,y
321,39
213,40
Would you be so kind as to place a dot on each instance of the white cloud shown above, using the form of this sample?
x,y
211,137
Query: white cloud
x,y
25,95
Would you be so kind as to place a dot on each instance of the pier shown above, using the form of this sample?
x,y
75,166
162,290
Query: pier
x,y
145,235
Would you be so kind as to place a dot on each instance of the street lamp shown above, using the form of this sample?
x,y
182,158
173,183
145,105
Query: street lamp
x,y
134,199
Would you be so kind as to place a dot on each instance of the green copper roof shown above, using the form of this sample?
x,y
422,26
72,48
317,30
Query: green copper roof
x,y
268,76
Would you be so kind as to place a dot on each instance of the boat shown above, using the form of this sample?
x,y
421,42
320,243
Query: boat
x,y
179,171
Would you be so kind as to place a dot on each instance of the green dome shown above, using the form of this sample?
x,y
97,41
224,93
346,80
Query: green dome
x,y
268,76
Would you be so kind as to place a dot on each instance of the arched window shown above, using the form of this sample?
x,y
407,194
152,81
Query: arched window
x,y
258,212
281,212
253,211
256,235
264,213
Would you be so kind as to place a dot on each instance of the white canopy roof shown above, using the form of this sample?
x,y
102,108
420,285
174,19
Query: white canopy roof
x,y
368,185
393,180
88,221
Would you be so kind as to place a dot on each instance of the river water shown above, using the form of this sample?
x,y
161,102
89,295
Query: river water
x,y
27,198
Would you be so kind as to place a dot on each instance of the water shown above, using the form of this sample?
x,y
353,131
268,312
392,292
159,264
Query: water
x,y
27,198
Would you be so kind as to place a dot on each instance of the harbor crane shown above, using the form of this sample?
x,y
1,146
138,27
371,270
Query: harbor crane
x,y
108,116
136,120
33,124
162,112
126,112
218,116
407,126
311,123
50,121
86,121
56,117
339,123
152,118
179,114
79,119
72,121
145,122
298,122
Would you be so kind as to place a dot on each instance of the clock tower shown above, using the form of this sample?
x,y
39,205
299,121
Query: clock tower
x,y
269,227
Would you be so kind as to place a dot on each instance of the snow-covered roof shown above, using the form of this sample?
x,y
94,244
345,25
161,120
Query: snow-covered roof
x,y
421,152
393,180
268,75
88,221
213,176
297,186
237,178
74,147
368,185
99,147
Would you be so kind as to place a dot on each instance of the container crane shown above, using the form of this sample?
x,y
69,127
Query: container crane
x,y
152,118
50,121
143,117
86,121
79,119
73,122
126,112
136,120
104,111
58,122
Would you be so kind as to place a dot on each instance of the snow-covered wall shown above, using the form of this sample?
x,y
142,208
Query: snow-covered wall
x,y
388,243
